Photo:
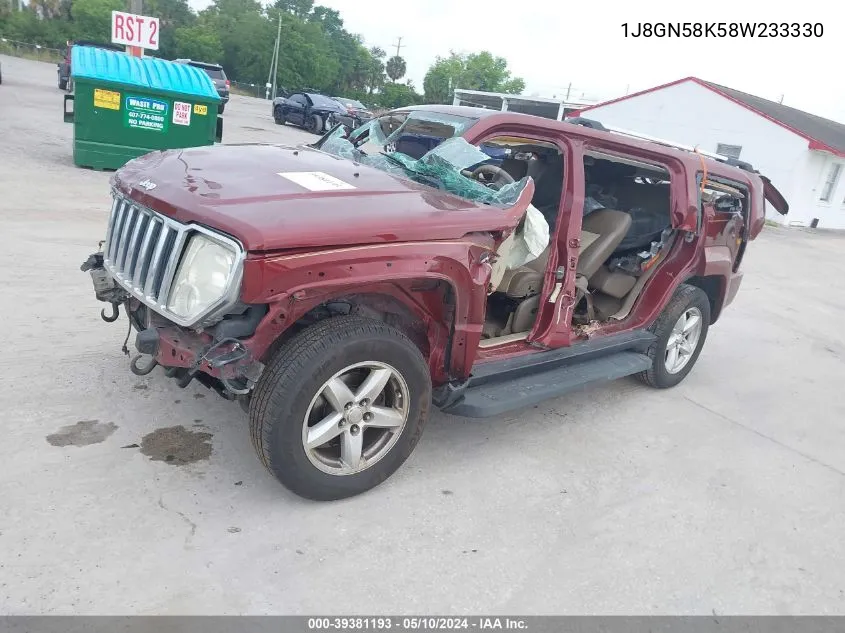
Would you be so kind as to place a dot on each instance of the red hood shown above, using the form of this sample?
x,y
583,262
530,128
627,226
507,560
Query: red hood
x,y
237,189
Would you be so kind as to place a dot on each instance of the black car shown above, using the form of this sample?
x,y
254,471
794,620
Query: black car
x,y
65,82
310,110
218,76
358,114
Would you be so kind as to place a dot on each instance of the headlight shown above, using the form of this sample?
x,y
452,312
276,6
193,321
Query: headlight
x,y
202,277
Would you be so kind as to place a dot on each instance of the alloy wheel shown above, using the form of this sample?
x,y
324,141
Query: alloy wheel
x,y
355,418
683,340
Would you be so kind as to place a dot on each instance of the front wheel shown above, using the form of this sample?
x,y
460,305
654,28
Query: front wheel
x,y
681,331
315,124
278,115
340,407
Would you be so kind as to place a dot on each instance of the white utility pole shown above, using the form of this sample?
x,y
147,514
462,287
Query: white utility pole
x,y
274,64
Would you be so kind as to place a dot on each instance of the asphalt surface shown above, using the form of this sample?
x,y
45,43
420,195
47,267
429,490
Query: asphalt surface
x,y
725,494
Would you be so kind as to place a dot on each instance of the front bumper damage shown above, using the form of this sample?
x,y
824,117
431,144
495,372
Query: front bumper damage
x,y
225,364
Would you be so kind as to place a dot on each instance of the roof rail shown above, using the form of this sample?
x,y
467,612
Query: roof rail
x,y
596,125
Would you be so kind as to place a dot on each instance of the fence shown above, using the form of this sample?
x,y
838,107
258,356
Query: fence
x,y
247,89
30,51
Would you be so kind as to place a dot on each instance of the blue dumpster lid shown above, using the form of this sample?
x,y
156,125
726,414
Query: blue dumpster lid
x,y
144,72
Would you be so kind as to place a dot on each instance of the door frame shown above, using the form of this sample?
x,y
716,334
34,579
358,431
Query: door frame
x,y
552,326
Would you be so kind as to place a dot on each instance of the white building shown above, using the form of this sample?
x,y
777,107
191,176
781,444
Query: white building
x,y
802,154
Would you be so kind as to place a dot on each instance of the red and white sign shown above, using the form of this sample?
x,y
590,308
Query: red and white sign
x,y
134,30
181,113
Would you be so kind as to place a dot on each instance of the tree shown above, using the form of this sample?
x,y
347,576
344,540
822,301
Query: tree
x,y
92,18
375,73
395,95
476,71
199,42
315,51
395,67
173,15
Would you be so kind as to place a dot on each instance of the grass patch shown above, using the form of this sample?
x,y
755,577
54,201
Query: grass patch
x,y
30,52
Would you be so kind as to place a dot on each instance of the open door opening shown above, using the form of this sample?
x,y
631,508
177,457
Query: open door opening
x,y
626,231
513,302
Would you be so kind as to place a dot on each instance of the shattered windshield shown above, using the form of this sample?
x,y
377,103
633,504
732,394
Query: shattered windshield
x,y
427,148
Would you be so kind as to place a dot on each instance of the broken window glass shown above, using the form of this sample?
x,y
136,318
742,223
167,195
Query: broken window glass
x,y
440,167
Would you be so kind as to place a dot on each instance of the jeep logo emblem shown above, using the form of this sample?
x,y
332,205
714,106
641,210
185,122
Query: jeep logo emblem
x,y
149,185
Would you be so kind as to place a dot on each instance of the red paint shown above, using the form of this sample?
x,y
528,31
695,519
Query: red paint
x,y
402,248
814,143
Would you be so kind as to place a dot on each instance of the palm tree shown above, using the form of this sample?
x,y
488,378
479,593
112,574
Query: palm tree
x,y
395,67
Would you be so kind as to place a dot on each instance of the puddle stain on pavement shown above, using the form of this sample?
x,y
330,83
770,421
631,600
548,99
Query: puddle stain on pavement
x,y
177,446
83,433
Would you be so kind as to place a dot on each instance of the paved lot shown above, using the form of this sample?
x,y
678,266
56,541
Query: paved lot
x,y
726,494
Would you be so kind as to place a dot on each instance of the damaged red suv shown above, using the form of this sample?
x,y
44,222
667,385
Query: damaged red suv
x,y
473,260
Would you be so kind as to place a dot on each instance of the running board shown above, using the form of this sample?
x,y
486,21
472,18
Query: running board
x,y
495,397
539,361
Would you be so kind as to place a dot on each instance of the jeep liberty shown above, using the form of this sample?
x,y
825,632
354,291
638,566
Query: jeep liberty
x,y
474,260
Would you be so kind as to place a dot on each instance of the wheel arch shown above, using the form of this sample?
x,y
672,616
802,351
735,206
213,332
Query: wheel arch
x,y
423,309
714,287
446,290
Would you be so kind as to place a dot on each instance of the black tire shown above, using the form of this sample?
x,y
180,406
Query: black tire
x,y
221,108
295,375
685,298
315,124
62,84
278,115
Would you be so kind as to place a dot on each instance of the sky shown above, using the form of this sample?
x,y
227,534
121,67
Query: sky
x,y
580,46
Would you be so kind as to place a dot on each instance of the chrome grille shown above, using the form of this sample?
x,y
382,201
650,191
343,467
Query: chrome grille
x,y
142,250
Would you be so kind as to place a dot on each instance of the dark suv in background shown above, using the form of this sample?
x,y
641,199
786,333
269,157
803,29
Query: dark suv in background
x,y
218,76
64,66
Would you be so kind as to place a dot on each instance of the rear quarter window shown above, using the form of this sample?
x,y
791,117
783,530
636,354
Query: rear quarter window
x,y
214,73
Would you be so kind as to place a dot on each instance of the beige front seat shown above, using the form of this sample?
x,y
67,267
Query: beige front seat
x,y
601,232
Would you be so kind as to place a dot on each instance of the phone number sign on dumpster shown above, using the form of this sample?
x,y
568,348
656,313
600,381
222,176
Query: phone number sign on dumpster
x,y
146,114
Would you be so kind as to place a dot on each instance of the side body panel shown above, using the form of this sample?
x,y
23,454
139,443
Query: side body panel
x,y
442,284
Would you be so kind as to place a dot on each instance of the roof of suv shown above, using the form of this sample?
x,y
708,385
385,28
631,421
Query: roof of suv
x,y
192,62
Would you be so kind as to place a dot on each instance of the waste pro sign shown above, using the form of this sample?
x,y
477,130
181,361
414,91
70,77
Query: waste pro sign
x,y
134,30
143,113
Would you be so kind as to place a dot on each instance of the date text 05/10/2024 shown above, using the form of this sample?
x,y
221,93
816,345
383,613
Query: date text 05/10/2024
x,y
723,29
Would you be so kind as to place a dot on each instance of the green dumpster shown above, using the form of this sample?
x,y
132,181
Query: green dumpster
x,y
125,106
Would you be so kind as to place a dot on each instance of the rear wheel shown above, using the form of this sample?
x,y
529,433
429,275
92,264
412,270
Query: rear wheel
x,y
681,331
278,115
220,108
340,407
62,84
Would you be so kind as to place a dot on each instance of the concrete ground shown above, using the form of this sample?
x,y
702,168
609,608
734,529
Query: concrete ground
x,y
725,494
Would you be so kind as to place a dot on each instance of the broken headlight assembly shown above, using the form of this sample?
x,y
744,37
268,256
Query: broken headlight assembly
x,y
202,278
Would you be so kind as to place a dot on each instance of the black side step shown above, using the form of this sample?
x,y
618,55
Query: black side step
x,y
495,397
508,369
504,385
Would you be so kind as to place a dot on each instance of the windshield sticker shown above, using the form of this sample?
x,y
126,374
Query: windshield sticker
x,y
316,180
107,99
181,113
144,113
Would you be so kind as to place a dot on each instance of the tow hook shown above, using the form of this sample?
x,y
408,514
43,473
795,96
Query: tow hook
x,y
115,313
142,371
